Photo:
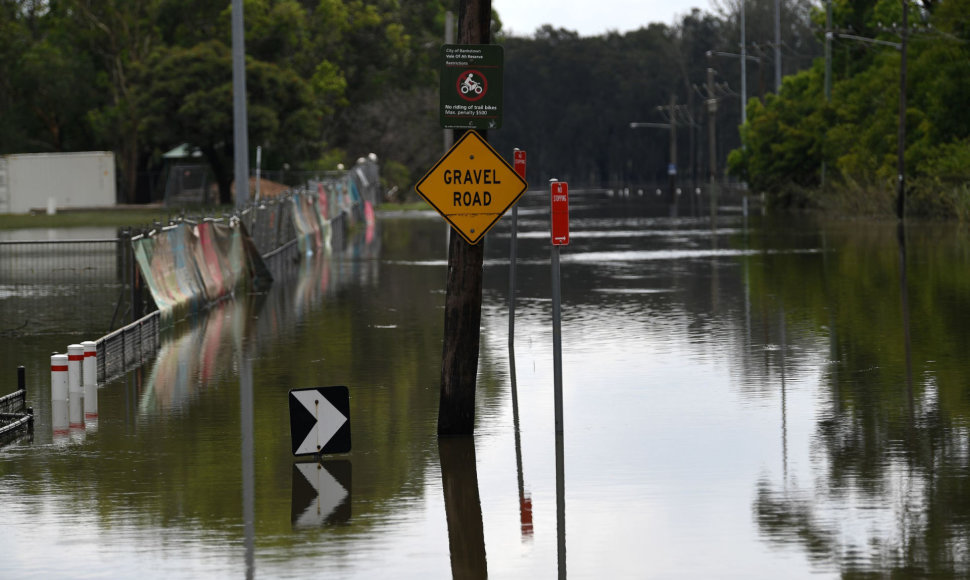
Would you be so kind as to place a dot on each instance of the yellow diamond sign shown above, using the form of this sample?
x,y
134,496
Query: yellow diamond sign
x,y
471,187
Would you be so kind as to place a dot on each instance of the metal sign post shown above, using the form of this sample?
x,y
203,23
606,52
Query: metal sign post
x,y
518,163
560,237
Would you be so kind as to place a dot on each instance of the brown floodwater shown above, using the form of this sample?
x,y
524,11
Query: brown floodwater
x,y
763,397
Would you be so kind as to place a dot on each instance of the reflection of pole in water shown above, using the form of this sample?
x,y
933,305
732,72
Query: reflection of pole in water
x,y
784,417
560,505
248,461
463,508
904,298
525,501
747,299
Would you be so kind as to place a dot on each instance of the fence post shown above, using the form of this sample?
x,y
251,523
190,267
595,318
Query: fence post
x,y
22,380
136,303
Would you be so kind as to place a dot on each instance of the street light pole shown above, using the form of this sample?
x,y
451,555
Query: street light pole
x,y
777,46
744,71
672,168
711,147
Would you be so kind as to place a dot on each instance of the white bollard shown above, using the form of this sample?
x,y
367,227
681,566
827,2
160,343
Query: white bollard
x,y
59,377
75,356
59,395
89,379
89,367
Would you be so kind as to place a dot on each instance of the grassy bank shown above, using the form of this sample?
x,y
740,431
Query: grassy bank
x,y
112,217
136,216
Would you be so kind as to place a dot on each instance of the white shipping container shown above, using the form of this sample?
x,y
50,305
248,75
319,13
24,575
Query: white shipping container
x,y
60,180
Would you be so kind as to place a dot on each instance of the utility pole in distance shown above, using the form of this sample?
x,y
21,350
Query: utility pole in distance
x,y
711,145
901,138
463,299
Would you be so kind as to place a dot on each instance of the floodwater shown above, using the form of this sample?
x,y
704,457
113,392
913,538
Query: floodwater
x,y
764,398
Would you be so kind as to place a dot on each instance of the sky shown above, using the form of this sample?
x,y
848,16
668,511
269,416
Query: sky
x,y
590,17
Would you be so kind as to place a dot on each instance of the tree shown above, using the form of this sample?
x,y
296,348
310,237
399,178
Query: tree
x,y
120,35
45,81
188,97
855,133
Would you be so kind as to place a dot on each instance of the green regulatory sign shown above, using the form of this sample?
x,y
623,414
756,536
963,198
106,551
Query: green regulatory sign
x,y
471,86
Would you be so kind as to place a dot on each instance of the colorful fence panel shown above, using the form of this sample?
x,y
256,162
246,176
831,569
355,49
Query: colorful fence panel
x,y
187,266
190,265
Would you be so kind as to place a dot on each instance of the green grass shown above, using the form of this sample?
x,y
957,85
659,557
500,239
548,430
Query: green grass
x,y
137,216
407,206
114,217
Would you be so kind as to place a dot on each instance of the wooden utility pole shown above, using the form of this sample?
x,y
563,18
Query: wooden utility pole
x,y
901,138
463,300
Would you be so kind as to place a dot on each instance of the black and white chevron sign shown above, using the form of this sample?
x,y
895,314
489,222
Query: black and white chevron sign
x,y
320,420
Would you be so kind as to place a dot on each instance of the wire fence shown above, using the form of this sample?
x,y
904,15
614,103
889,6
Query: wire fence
x,y
307,219
312,217
128,347
31,262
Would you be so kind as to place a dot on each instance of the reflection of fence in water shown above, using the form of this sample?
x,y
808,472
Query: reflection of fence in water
x,y
194,354
72,270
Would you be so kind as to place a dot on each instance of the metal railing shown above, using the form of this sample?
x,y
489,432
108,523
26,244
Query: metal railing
x,y
129,346
16,418
76,263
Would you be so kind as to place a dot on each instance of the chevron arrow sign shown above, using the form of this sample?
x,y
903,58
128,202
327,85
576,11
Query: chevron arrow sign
x,y
320,420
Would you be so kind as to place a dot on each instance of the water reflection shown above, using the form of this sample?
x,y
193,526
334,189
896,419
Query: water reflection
x,y
321,493
247,438
891,451
525,499
762,400
463,508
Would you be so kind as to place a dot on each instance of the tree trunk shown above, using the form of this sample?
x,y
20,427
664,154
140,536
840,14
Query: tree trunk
x,y
222,172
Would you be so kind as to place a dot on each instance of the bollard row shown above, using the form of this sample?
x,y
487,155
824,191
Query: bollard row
x,y
74,389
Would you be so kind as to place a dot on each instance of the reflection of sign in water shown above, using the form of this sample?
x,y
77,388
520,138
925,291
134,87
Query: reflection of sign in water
x,y
320,420
321,493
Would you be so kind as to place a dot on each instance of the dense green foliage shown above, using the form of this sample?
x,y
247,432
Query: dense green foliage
x,y
329,81
789,137
570,100
142,78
